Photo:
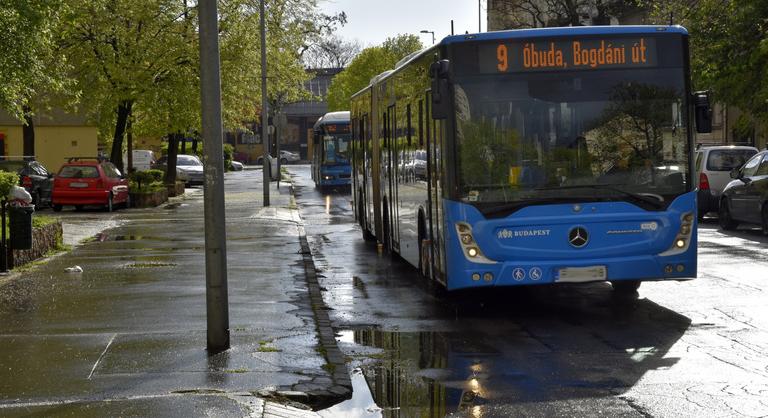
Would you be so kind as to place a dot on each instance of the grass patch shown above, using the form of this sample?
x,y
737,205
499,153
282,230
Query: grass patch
x,y
236,371
330,368
265,347
148,265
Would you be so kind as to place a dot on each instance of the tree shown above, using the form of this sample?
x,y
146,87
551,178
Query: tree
x,y
370,62
333,52
29,67
519,14
729,48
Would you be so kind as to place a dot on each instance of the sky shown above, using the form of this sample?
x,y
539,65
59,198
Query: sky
x,y
373,21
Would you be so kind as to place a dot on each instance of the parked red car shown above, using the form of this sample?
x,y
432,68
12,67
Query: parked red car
x,y
89,181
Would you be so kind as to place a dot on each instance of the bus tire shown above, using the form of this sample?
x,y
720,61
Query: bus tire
x,y
625,287
367,236
386,236
424,245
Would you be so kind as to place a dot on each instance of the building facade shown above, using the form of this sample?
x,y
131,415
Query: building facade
x,y
58,135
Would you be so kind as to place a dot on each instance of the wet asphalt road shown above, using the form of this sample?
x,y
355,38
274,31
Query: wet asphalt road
x,y
696,348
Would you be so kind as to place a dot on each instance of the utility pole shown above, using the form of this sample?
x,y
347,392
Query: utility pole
x,y
266,165
479,19
216,297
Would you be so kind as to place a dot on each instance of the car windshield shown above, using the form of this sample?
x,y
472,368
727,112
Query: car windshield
x,y
558,136
188,160
728,159
79,172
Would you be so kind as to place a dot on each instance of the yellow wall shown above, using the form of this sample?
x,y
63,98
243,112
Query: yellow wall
x,y
53,144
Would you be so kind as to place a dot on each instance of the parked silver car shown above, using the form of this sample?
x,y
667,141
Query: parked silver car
x,y
189,166
713,168
289,157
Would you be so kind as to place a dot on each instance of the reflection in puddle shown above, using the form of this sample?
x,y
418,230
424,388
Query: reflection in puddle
x,y
470,370
361,405
327,205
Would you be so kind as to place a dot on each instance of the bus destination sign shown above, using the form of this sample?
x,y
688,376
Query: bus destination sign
x,y
337,129
569,54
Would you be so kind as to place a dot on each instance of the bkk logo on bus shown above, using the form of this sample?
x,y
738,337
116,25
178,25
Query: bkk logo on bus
x,y
505,233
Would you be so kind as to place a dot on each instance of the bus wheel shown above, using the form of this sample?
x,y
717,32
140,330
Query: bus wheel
x,y
424,244
765,219
385,240
626,287
367,236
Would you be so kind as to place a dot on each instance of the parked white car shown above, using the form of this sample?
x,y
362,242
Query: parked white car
x,y
713,169
289,157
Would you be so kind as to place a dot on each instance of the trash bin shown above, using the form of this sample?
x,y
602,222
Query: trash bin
x,y
20,224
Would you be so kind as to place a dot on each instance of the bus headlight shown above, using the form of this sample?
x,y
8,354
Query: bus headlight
x,y
683,238
469,246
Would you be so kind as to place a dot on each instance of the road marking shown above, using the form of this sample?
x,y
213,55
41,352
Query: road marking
x,y
103,353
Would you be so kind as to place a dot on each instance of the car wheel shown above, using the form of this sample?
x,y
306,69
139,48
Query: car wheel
x,y
765,219
724,216
127,203
110,204
36,198
56,208
78,207
259,161
283,161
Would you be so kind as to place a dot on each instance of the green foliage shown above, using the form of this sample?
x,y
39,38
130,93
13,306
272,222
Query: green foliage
x,y
148,181
729,48
229,155
29,64
369,63
7,181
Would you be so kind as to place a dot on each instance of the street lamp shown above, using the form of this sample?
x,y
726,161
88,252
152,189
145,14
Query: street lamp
x,y
433,34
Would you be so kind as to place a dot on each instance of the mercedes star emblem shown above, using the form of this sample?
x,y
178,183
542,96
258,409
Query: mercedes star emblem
x,y
578,237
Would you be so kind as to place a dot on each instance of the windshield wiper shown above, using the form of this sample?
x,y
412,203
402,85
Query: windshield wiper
x,y
652,200
509,207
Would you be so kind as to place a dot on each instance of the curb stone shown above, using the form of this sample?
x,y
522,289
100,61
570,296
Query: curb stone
x,y
340,386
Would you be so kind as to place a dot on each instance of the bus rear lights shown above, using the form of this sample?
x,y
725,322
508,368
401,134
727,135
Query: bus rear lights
x,y
488,277
475,277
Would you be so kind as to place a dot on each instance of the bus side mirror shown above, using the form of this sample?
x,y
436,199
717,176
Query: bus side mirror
x,y
441,105
703,112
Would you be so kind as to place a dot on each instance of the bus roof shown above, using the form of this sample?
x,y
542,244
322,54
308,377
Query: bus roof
x,y
564,31
333,117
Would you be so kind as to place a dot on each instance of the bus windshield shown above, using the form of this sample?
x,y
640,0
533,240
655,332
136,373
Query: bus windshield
x,y
336,149
572,136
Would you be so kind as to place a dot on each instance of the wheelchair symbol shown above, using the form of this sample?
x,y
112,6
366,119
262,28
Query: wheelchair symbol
x,y
535,273
518,274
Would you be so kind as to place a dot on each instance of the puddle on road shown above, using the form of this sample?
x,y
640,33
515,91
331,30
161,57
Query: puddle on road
x,y
470,370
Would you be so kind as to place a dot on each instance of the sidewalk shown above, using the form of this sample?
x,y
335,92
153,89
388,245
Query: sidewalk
x,y
127,335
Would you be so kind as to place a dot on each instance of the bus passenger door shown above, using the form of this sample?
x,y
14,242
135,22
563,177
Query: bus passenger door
x,y
394,164
435,130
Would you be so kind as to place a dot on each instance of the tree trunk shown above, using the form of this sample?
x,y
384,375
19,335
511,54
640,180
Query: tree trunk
x,y
173,151
123,112
183,144
28,134
194,144
129,151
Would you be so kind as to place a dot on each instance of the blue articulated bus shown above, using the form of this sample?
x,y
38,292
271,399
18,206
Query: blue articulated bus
x,y
331,161
553,155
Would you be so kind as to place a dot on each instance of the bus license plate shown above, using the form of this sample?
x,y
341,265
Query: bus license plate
x,y
581,274
78,185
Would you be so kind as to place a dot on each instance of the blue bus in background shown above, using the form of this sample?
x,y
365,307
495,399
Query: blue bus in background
x,y
331,160
553,155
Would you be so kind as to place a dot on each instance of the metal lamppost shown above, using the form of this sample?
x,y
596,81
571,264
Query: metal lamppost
x,y
433,34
